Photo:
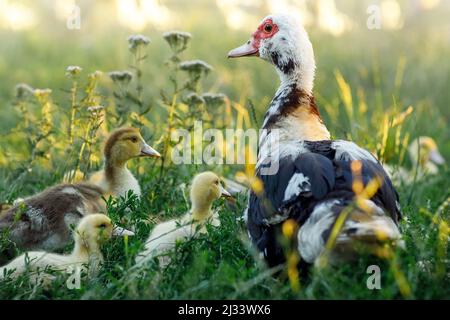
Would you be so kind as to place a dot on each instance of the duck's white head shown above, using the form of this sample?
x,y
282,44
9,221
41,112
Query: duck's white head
x,y
281,40
206,188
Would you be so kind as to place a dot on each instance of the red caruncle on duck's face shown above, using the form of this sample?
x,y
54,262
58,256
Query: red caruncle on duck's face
x,y
266,30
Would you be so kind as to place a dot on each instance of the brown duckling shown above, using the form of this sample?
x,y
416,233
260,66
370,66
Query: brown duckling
x,y
122,145
44,221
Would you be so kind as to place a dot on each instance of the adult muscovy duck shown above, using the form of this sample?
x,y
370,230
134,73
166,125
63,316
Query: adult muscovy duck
x,y
315,177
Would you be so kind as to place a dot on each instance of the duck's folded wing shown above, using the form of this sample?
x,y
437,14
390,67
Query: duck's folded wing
x,y
386,196
286,194
23,226
308,175
303,182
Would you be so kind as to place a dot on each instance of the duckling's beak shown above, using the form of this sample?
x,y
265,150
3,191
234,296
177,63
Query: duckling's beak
x,y
436,157
120,232
228,197
148,151
224,193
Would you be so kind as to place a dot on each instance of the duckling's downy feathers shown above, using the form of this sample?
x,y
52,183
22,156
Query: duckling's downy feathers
x,y
43,221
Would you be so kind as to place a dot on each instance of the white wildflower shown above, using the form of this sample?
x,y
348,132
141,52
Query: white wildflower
x,y
23,90
73,71
196,67
194,99
121,76
137,41
177,40
214,99
94,109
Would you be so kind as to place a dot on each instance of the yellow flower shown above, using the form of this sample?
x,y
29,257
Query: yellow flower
x,y
95,75
42,93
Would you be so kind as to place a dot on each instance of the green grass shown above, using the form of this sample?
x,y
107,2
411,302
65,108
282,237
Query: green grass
x,y
373,90
220,265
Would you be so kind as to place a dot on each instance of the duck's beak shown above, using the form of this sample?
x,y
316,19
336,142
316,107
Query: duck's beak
x,y
436,157
120,232
246,50
148,151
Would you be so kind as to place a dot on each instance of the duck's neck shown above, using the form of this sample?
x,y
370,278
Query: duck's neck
x,y
113,168
201,211
293,110
85,251
426,168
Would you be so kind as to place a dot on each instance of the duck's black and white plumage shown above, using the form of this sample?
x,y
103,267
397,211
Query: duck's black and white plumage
x,y
307,176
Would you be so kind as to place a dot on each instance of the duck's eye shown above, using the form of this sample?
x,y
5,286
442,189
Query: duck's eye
x,y
217,182
134,139
268,28
102,226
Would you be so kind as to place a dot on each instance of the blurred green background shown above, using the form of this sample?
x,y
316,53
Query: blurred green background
x,y
408,58
366,77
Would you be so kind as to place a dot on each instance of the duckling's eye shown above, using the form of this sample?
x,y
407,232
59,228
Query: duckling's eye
x,y
134,139
102,226
217,182
268,28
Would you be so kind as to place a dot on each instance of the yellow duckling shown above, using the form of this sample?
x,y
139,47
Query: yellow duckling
x,y
425,152
43,221
122,145
424,155
206,188
92,231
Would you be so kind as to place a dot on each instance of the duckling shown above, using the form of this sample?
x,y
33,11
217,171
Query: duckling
x,y
206,188
424,150
92,231
122,145
424,154
4,207
43,221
